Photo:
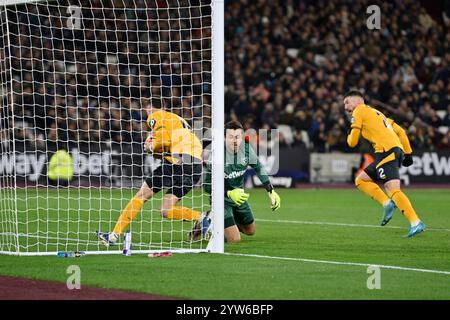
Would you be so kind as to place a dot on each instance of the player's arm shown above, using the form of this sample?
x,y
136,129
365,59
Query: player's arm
x,y
400,132
157,140
264,178
403,137
155,143
161,141
238,196
355,131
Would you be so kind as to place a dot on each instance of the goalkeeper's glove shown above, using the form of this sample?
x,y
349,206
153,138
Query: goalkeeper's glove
x,y
238,196
275,200
408,160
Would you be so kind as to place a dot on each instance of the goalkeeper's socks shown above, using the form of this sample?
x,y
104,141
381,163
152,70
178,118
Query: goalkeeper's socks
x,y
402,202
182,213
128,214
372,190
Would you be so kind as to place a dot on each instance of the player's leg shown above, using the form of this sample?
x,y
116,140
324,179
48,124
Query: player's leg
x,y
231,231
405,206
180,181
127,215
133,207
248,229
365,183
202,220
151,186
170,211
232,234
392,186
201,227
243,215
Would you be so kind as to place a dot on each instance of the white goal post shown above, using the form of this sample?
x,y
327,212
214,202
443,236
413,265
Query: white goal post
x,y
77,77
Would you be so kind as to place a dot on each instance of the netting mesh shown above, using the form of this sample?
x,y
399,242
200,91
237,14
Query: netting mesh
x,y
78,76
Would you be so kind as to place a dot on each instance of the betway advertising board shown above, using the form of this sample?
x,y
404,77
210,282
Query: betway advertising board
x,y
108,167
428,167
293,166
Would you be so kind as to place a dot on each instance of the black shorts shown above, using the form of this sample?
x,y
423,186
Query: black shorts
x,y
178,178
386,165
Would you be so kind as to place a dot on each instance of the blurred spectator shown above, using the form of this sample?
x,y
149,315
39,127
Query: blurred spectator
x,y
444,144
446,119
319,139
89,85
287,63
301,56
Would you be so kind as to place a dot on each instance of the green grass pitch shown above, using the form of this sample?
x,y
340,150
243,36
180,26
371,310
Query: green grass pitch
x,y
317,246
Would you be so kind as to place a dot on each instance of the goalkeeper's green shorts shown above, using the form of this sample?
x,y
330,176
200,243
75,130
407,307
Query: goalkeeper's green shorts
x,y
241,215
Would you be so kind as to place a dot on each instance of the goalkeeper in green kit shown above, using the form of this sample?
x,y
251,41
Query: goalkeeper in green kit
x,y
238,214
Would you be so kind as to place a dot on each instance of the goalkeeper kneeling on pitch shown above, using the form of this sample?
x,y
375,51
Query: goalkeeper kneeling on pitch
x,y
238,213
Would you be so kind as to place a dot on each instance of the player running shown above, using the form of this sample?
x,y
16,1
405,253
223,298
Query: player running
x,y
171,139
237,212
392,149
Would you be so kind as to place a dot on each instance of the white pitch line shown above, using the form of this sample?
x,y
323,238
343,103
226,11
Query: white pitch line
x,y
88,242
339,263
343,224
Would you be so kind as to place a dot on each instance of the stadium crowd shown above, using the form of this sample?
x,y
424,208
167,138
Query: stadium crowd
x,y
289,62
287,65
91,83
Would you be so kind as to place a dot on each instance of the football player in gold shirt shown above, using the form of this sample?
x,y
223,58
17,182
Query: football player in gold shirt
x,y
392,149
171,139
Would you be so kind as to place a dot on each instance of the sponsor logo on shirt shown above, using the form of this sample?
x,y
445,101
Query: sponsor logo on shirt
x,y
235,174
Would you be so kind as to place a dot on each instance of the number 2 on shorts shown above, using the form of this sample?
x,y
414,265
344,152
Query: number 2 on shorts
x,y
381,173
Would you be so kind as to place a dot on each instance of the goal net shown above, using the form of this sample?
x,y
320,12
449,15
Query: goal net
x,y
77,78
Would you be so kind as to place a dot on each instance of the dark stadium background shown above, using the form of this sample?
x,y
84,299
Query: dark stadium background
x,y
287,64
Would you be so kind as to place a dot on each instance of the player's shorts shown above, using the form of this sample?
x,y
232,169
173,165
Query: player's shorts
x,y
178,178
241,215
386,165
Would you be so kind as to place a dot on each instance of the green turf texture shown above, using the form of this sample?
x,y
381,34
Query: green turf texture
x,y
66,220
213,276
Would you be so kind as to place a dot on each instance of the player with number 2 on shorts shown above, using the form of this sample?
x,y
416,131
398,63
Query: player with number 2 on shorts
x,y
392,150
